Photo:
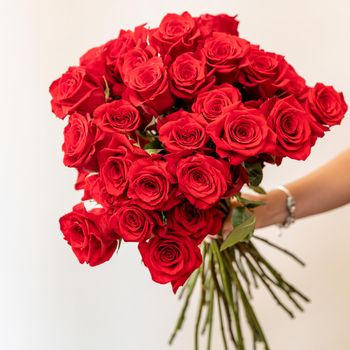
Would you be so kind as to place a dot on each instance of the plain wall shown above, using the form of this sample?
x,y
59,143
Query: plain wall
x,y
48,301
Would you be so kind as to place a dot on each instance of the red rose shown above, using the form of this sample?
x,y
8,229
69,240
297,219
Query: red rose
x,y
209,24
176,34
241,134
239,177
86,233
94,61
79,183
148,87
181,131
326,104
135,224
187,220
296,84
114,51
189,75
264,73
133,58
202,179
115,161
95,188
117,116
253,104
151,184
79,142
212,103
295,130
76,91
126,41
171,259
224,53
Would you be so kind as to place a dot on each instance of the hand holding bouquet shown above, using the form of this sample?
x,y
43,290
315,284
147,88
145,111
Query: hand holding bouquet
x,y
165,126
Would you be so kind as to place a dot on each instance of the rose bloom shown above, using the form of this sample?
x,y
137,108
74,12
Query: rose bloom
x,y
241,134
295,129
113,53
182,131
296,84
171,258
264,73
212,103
80,181
134,224
95,188
87,234
202,179
224,53
148,87
189,75
79,142
187,220
176,34
117,116
133,58
209,24
239,177
151,184
76,91
94,61
126,41
115,161
326,104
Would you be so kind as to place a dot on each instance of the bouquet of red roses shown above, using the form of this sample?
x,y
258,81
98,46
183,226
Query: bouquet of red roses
x,y
165,126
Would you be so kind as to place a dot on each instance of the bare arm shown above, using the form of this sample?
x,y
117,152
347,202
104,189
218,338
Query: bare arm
x,y
324,189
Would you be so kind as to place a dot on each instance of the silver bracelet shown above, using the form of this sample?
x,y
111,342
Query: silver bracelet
x,y
290,206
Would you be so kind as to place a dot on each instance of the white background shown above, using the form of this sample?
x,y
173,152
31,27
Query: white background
x,y
48,301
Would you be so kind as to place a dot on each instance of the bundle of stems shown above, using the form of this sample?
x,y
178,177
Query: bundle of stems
x,y
225,279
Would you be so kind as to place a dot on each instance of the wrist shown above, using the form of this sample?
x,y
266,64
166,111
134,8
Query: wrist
x,y
274,212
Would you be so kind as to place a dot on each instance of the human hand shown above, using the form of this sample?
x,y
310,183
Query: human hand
x,y
273,212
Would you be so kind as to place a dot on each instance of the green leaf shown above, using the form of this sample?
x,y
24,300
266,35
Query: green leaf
x,y
163,217
257,189
240,215
154,150
250,204
255,174
154,144
240,233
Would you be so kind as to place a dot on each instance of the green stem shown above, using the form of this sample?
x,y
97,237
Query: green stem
x,y
201,300
241,250
210,313
185,287
247,306
228,293
273,294
280,284
228,276
181,318
222,327
285,251
275,273
221,296
209,282
241,269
